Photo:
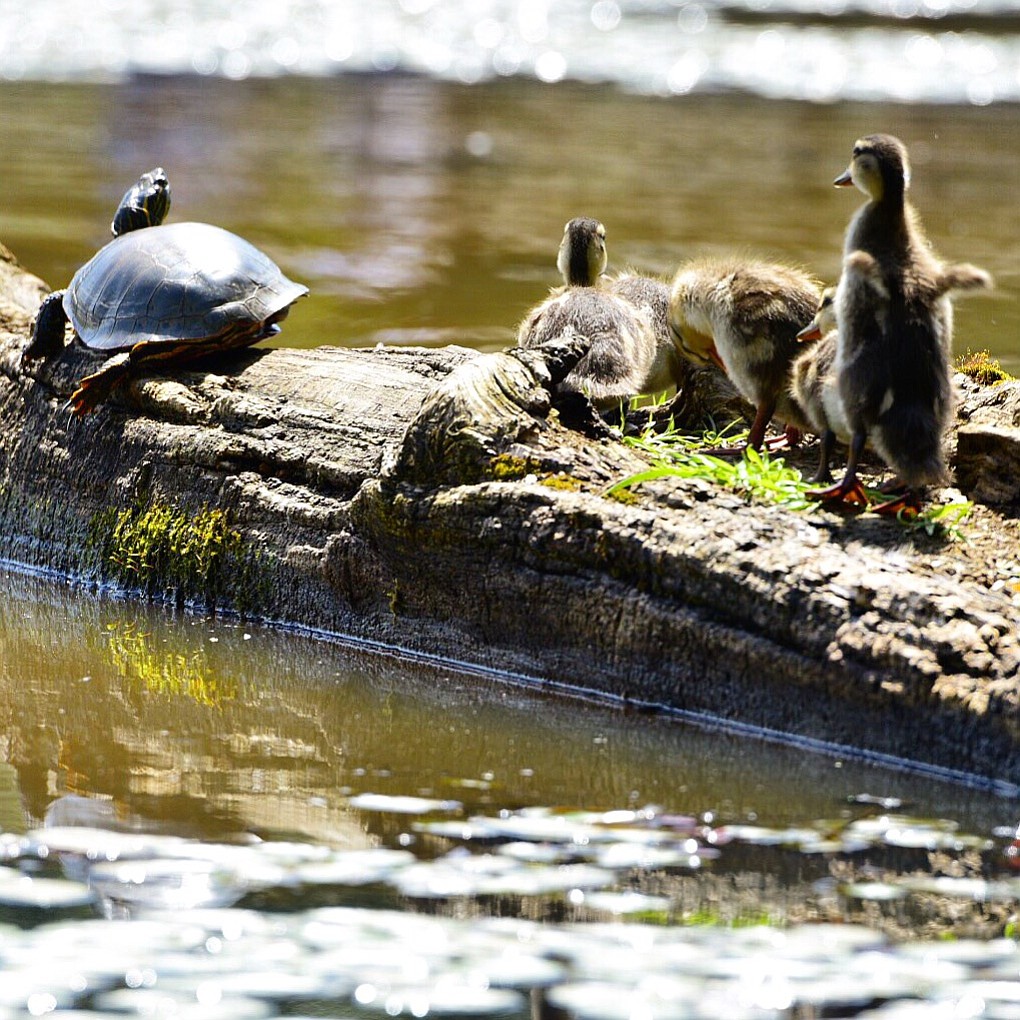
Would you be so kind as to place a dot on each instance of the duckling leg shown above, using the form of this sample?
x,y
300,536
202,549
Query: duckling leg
x,y
762,416
756,436
849,490
823,474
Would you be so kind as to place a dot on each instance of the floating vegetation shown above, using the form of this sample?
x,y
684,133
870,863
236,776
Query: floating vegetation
x,y
619,951
46,894
402,805
631,904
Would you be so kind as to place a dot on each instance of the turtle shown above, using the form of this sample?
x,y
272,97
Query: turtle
x,y
169,293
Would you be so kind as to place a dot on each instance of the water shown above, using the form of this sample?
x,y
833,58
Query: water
x,y
277,825
952,51
425,212
218,727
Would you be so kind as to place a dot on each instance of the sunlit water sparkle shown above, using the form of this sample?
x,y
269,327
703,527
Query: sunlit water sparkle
x,y
656,47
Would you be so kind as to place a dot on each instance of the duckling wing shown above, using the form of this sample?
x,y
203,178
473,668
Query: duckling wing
x,y
893,369
648,294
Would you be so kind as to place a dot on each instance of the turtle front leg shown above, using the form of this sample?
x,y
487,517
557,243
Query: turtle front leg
x,y
47,335
95,388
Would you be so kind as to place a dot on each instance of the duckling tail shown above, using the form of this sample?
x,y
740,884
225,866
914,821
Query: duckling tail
x,y
962,276
909,439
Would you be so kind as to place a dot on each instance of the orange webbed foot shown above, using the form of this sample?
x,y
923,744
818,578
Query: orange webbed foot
x,y
850,492
907,504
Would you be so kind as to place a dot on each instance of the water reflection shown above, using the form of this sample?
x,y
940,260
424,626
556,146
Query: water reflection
x,y
211,728
423,212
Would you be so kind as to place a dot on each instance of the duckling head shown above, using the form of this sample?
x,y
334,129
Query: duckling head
x,y
824,320
879,167
582,258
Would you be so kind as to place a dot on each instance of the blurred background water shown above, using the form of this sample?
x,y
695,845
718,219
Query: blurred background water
x,y
951,50
414,162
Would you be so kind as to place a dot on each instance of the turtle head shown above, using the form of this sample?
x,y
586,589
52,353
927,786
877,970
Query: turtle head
x,y
145,204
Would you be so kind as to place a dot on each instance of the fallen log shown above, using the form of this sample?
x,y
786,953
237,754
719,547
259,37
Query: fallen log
x,y
430,500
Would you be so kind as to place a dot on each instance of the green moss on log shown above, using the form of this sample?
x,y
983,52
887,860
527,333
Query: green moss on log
x,y
168,552
506,467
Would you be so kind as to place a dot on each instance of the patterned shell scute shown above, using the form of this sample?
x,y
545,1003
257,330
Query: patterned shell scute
x,y
183,281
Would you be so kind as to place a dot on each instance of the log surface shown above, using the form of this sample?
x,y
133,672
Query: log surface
x,y
428,500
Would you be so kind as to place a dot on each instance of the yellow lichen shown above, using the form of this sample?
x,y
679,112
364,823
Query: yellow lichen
x,y
506,467
561,480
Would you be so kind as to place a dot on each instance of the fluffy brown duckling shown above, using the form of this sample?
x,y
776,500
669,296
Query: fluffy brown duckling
x,y
894,322
743,315
631,352
652,296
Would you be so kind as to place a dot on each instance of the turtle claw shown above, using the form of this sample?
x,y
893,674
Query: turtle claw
x,y
79,404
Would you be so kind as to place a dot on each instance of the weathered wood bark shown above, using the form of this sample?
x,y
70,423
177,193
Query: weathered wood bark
x,y
428,500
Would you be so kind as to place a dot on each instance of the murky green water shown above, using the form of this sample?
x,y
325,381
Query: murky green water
x,y
277,825
220,728
424,212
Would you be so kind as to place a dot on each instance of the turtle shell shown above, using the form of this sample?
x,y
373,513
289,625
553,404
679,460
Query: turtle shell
x,y
180,282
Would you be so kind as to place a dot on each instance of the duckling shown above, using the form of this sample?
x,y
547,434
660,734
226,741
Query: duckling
x,y
743,315
813,383
895,322
629,355
666,369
